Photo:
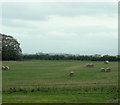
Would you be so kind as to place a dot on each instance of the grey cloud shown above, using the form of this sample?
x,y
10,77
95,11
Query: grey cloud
x,y
11,23
40,11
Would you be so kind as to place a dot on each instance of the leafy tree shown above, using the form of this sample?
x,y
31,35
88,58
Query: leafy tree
x,y
10,48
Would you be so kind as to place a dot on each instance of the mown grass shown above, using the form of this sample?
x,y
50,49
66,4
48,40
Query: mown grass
x,y
49,81
61,97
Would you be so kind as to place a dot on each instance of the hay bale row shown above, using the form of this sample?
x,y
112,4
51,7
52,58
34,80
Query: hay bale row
x,y
105,70
5,68
90,65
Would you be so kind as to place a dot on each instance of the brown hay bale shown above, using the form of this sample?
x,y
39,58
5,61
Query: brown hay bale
x,y
89,65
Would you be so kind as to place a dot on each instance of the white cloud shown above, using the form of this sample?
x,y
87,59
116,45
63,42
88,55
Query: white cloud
x,y
64,22
64,26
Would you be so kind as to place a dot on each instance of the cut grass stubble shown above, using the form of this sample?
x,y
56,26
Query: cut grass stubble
x,y
52,80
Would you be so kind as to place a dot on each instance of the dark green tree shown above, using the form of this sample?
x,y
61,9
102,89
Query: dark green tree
x,y
10,48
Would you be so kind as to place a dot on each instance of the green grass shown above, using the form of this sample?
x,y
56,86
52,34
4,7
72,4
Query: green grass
x,y
60,97
54,84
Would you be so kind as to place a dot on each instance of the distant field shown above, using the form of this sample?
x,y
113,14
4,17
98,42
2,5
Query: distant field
x,y
46,81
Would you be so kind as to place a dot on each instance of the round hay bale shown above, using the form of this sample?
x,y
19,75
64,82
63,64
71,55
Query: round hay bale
x,y
102,69
7,68
3,68
89,65
106,62
107,70
71,74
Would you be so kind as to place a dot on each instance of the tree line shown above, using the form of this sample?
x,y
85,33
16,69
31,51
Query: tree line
x,y
10,50
69,57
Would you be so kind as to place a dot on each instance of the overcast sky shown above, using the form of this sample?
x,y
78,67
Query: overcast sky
x,y
74,28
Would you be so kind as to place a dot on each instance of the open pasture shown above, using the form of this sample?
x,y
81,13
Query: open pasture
x,y
48,81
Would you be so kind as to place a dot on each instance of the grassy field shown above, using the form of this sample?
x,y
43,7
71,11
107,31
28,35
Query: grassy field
x,y
43,81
